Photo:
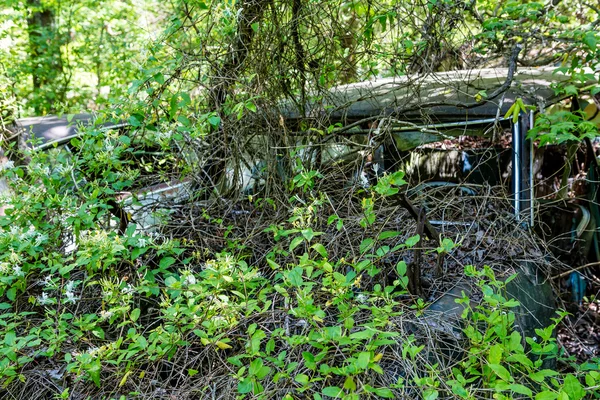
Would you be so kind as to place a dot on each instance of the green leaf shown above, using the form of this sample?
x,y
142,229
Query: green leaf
x,y
308,234
430,394
589,380
125,139
446,246
511,303
521,389
350,384
135,314
255,366
366,245
539,376
574,388
133,121
245,386
159,78
302,379
94,372
170,281
501,372
364,334
319,248
296,242
263,372
495,354
401,268
546,395
214,120
251,106
362,361
388,234
10,338
384,392
166,262
520,358
332,391
332,217
183,120
590,40
413,240
295,276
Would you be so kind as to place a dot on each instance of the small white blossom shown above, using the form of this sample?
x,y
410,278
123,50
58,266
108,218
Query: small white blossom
x,y
44,299
361,298
128,289
189,280
106,314
40,238
47,281
71,298
17,271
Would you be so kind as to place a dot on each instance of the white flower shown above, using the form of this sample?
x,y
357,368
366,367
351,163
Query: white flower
x,y
64,169
17,271
44,299
40,238
47,281
71,298
128,289
189,279
142,242
361,298
106,314
70,286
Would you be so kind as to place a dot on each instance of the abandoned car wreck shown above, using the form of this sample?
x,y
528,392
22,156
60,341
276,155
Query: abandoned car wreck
x,y
476,193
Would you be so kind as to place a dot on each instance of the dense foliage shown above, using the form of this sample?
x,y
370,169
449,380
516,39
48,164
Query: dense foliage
x,y
213,303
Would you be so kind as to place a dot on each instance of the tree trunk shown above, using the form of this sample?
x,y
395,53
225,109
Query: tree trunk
x,y
44,53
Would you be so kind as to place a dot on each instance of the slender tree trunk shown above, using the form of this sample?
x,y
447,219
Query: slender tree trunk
x,y
44,53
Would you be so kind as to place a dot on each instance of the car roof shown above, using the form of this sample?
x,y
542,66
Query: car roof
x,y
51,129
434,97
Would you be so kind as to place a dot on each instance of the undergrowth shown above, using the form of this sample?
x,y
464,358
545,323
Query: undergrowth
x,y
87,312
